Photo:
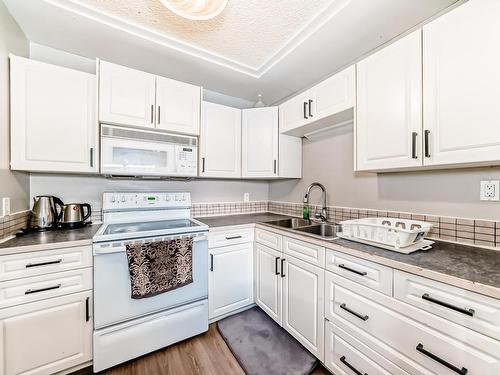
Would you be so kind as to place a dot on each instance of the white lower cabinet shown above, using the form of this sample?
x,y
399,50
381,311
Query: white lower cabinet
x,y
230,280
291,291
346,355
417,341
303,314
47,336
268,281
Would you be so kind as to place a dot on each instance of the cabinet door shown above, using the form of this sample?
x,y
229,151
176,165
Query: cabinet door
x,y
295,112
220,141
334,95
230,279
47,336
177,106
462,85
53,121
259,142
389,106
290,156
303,304
268,281
126,96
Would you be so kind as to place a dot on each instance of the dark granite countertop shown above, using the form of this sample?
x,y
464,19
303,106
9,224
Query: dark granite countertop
x,y
242,219
468,267
49,240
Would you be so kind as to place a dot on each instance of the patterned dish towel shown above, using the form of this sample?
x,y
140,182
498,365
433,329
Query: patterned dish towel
x,y
157,267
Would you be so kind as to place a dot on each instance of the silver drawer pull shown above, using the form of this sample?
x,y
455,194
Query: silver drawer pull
x,y
31,291
233,238
57,261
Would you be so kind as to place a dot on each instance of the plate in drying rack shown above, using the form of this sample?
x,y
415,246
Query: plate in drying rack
x,y
421,245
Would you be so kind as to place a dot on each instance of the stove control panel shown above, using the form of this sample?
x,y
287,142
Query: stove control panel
x,y
127,200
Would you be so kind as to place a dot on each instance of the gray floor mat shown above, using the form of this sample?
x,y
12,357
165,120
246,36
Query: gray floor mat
x,y
262,347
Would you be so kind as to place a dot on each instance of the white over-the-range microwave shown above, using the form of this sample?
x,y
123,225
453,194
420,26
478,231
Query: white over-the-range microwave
x,y
147,153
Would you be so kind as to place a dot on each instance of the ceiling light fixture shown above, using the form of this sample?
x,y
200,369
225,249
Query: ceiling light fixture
x,y
198,10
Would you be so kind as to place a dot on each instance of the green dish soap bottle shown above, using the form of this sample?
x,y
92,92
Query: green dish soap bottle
x,y
305,209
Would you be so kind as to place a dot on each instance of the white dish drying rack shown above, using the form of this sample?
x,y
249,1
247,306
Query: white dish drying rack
x,y
401,235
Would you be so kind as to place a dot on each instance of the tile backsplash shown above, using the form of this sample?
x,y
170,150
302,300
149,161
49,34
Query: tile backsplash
x,y
463,230
10,224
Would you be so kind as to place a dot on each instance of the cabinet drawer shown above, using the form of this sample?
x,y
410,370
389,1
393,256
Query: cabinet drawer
x,y
308,252
269,239
16,266
35,288
469,309
345,354
229,237
431,343
372,275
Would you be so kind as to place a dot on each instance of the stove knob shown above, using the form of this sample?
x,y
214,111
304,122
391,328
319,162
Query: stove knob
x,y
176,198
184,198
113,199
123,198
168,198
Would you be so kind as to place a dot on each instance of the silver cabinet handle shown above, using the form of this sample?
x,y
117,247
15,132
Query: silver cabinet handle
x,y
233,237
152,113
202,165
92,156
159,115
274,166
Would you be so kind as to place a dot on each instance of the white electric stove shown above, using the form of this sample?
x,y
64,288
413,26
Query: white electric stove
x,y
125,328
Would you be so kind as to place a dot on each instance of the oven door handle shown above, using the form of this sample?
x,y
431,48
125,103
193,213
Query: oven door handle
x,y
122,249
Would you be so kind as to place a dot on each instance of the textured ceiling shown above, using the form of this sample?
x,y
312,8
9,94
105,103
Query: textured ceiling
x,y
247,31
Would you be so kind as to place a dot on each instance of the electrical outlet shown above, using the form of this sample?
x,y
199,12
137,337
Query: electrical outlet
x,y
490,190
246,197
6,206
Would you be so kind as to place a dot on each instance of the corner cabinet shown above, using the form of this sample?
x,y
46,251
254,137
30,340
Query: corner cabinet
x,y
53,119
327,104
259,139
462,85
220,141
389,106
132,97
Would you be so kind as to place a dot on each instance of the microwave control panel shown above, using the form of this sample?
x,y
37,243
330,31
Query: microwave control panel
x,y
186,159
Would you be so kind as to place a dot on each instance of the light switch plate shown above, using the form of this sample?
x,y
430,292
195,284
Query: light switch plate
x,y
490,190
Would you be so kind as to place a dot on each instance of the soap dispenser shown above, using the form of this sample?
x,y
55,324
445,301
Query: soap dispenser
x,y
305,209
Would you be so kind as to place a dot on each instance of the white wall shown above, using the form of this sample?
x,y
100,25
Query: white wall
x,y
90,188
329,160
12,184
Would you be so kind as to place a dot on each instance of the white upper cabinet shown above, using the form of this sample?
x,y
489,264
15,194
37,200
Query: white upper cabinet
x,y
462,85
53,119
327,104
294,112
178,106
126,96
259,137
389,106
132,97
220,141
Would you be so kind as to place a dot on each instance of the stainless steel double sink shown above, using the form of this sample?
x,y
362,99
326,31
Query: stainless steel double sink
x,y
324,231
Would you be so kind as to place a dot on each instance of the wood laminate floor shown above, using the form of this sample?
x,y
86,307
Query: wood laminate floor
x,y
206,354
